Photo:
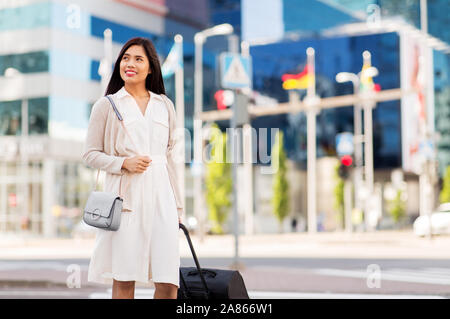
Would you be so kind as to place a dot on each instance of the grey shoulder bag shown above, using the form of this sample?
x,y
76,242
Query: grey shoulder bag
x,y
103,209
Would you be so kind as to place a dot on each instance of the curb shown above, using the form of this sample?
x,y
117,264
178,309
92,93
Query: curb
x,y
30,284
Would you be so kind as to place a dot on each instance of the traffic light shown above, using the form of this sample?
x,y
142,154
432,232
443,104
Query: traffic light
x,y
346,163
224,98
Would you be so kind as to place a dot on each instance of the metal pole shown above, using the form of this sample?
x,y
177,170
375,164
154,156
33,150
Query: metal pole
x,y
424,16
368,105
311,146
248,168
233,44
368,138
368,131
357,123
198,75
348,206
311,171
248,160
179,101
234,137
368,146
198,108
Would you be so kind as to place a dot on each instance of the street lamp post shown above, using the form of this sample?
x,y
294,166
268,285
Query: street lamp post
x,y
311,101
199,40
367,105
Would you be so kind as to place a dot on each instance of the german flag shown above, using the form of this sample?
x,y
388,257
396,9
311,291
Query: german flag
x,y
297,81
366,82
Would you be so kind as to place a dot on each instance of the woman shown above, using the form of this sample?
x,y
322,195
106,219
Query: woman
x,y
138,158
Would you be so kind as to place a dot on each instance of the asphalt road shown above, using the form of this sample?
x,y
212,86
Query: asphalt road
x,y
285,278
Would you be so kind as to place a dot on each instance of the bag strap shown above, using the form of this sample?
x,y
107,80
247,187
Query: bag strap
x,y
119,116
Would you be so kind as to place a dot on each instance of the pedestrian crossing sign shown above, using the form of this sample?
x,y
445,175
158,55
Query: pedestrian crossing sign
x,y
344,144
235,71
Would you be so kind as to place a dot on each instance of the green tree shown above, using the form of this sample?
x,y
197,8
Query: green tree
x,y
444,196
397,206
218,181
280,199
339,196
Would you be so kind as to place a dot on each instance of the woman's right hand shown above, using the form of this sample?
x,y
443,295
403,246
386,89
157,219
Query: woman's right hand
x,y
136,164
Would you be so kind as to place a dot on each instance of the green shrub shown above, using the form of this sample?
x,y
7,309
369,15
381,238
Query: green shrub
x,y
218,181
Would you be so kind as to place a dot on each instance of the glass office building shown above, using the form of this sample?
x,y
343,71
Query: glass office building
x,y
438,20
333,55
280,47
279,33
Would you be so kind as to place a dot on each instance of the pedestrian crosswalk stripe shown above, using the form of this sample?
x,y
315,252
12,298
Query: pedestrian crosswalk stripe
x,y
442,271
412,272
403,275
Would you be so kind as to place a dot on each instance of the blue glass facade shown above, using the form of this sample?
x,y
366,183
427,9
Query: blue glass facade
x,y
312,15
438,13
333,55
226,11
120,33
442,108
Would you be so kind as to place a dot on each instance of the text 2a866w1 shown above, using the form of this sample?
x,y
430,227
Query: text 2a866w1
x,y
245,308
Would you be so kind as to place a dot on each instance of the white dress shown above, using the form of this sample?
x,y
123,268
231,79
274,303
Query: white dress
x,y
145,247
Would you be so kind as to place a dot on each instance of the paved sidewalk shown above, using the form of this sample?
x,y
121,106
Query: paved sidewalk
x,y
48,270
380,244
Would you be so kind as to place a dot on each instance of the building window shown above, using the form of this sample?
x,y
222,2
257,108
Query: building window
x,y
30,62
11,117
25,16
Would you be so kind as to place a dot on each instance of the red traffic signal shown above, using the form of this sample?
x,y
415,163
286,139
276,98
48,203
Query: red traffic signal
x,y
346,160
224,98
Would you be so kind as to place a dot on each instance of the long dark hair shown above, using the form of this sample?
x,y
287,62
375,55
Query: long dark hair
x,y
154,81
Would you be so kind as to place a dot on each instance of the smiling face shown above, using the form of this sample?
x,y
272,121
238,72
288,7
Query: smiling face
x,y
134,66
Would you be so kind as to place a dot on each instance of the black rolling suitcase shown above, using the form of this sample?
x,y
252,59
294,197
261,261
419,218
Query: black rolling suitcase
x,y
197,283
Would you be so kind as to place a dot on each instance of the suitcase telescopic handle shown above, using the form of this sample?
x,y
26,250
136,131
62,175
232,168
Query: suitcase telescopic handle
x,y
197,264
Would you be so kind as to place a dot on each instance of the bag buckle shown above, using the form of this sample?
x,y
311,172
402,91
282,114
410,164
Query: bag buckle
x,y
95,216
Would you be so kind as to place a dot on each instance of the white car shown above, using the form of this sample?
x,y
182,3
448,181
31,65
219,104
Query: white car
x,y
440,222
